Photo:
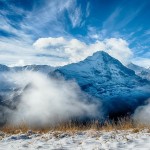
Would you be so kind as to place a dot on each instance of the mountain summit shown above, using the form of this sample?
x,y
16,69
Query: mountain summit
x,y
103,76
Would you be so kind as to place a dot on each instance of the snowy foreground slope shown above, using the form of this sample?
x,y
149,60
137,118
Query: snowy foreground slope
x,y
85,140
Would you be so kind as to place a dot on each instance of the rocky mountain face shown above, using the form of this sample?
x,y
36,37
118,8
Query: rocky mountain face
x,y
105,78
39,68
4,68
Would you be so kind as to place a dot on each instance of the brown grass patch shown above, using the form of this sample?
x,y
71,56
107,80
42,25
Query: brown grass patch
x,y
71,126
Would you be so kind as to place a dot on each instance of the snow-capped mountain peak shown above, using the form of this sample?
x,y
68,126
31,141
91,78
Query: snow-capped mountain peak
x,y
105,78
100,67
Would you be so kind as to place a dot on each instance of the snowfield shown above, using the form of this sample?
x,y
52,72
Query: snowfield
x,y
84,140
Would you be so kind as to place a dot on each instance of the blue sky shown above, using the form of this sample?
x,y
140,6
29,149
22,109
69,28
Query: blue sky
x,y
58,32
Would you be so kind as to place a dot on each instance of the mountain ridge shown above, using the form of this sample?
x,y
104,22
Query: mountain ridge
x,y
140,71
105,78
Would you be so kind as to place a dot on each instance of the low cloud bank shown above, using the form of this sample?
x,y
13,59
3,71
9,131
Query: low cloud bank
x,y
46,101
43,101
142,114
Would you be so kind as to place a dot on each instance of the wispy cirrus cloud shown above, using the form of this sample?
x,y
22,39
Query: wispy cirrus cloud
x,y
20,27
75,16
88,9
121,16
110,21
44,20
147,32
114,23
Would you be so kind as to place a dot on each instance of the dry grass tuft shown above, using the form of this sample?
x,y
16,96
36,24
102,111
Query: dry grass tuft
x,y
71,126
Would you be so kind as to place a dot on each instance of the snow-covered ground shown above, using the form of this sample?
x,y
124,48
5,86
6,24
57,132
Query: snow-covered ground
x,y
84,140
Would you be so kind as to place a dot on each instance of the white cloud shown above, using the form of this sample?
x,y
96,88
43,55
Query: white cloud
x,y
61,51
20,63
5,25
76,50
43,20
46,42
147,32
144,62
109,22
58,100
114,22
12,51
95,33
75,14
88,9
142,114
119,49
47,20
